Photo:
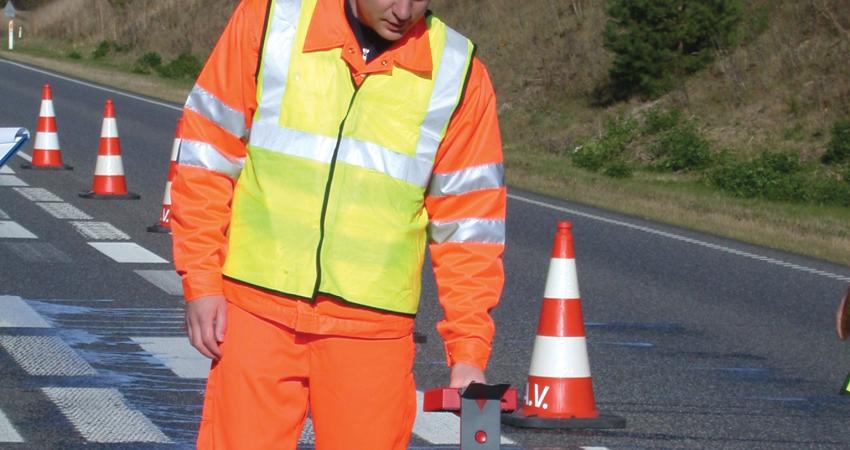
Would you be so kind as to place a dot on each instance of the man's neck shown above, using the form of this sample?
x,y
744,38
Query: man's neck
x,y
371,43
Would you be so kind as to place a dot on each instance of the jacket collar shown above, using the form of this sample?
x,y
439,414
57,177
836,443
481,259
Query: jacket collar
x,y
329,29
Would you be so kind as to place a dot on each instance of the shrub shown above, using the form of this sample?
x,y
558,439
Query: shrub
x,y
782,162
73,54
591,156
838,148
682,148
101,50
146,62
185,66
597,153
658,120
831,192
618,169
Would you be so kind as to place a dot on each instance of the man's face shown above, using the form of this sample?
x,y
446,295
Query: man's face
x,y
390,18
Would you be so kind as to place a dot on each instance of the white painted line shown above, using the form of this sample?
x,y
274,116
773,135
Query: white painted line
x,y
16,313
3,214
11,180
681,238
7,431
13,230
64,211
38,194
100,231
439,427
594,448
46,356
92,85
6,170
127,252
102,415
25,156
177,354
167,280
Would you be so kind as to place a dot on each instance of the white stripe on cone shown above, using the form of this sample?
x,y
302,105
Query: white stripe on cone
x,y
559,357
46,109
166,198
561,281
109,165
46,141
109,129
175,149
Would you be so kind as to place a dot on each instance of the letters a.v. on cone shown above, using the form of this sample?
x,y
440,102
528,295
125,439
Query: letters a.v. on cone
x,y
109,181
559,393
45,151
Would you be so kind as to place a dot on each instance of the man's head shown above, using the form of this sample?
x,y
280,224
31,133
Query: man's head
x,y
389,18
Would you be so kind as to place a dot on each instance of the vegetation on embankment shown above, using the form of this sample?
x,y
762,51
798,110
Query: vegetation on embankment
x,y
740,147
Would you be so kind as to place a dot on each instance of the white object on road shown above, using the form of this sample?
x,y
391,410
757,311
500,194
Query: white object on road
x,y
11,140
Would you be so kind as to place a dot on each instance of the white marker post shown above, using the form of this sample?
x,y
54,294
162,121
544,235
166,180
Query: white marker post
x,y
12,34
20,31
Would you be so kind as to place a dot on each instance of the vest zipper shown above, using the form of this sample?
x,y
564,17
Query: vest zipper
x,y
328,189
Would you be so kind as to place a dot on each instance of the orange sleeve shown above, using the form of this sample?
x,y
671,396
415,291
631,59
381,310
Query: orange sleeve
x,y
466,208
216,122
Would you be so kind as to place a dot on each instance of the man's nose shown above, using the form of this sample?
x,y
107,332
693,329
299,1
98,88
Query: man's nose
x,y
402,10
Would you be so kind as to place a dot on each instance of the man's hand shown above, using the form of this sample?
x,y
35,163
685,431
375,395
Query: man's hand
x,y
463,374
206,319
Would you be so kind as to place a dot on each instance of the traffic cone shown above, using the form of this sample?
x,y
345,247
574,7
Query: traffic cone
x,y
164,223
559,393
45,150
109,180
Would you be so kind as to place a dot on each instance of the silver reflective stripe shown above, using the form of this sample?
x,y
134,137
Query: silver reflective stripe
x,y
447,85
372,156
488,176
468,230
277,51
205,156
211,107
291,142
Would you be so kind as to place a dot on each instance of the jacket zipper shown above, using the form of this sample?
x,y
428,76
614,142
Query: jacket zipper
x,y
328,189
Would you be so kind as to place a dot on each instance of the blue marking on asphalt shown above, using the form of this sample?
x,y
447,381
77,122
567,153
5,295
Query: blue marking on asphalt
x,y
778,399
661,326
624,344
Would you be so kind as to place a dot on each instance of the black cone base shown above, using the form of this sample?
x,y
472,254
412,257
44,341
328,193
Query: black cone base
x,y
603,421
127,196
157,228
32,167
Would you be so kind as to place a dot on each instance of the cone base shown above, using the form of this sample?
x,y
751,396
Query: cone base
x,y
520,420
127,196
60,167
158,228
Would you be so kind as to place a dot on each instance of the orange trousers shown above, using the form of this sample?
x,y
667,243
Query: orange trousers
x,y
360,392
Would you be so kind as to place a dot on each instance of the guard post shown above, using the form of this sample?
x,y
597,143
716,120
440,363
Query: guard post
x,y
480,407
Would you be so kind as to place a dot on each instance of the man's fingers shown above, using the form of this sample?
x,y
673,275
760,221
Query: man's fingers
x,y
220,323
196,337
208,338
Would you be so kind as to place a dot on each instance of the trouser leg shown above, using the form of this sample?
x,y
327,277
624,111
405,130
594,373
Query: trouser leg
x,y
256,395
362,393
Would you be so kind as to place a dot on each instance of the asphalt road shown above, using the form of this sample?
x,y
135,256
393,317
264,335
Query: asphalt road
x,y
698,341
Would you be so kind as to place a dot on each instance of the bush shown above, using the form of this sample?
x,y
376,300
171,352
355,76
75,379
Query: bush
x,y
682,148
147,62
658,120
618,169
831,192
185,66
101,50
597,153
73,54
838,148
591,156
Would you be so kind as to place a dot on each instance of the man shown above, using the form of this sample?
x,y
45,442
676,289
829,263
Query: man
x,y
323,144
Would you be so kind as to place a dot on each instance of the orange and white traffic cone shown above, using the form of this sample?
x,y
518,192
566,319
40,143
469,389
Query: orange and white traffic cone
x,y
45,151
109,182
559,393
164,223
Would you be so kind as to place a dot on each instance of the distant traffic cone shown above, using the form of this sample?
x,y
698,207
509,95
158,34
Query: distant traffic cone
x,y
45,150
164,223
559,393
109,182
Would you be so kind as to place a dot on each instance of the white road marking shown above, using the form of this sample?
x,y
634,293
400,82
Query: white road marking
x,y
102,415
25,156
46,356
100,231
38,194
439,427
177,354
13,230
594,448
6,170
16,313
92,85
127,252
7,431
64,211
3,214
167,280
11,180
683,239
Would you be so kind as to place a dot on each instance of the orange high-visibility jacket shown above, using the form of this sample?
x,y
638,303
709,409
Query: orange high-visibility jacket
x,y
469,275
